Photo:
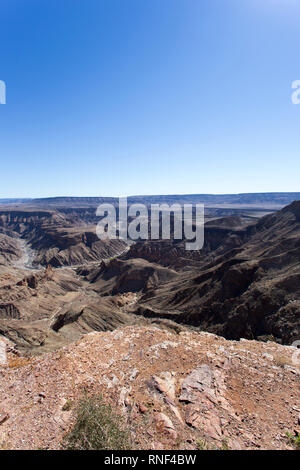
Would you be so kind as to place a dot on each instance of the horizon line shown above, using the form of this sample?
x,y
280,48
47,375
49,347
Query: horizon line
x,y
149,195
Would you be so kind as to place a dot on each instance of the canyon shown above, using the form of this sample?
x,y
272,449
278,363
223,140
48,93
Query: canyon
x,y
227,315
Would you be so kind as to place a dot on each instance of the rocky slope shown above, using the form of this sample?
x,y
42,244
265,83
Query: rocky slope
x,y
56,239
10,250
251,291
119,276
244,283
220,236
44,310
73,246
63,331
176,391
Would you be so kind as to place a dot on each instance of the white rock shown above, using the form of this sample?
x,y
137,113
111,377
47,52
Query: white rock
x,y
3,358
268,356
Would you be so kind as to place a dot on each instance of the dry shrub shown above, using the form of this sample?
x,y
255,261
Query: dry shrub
x,y
96,427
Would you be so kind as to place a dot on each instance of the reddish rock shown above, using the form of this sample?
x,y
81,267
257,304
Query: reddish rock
x,y
164,424
143,409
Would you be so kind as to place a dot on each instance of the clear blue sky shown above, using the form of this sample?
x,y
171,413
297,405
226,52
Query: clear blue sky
x,y
119,97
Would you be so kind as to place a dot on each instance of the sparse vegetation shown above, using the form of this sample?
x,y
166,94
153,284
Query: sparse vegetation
x,y
202,444
96,427
281,361
294,440
225,445
68,405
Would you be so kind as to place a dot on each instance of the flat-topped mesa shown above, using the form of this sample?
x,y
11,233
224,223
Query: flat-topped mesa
x,y
14,217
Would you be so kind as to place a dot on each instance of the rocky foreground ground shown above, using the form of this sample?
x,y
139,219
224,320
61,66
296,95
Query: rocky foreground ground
x,y
176,391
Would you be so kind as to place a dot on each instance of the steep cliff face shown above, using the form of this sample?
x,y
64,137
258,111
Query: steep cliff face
x,y
251,291
119,276
73,246
244,283
56,240
220,236
47,309
10,250
24,221
62,332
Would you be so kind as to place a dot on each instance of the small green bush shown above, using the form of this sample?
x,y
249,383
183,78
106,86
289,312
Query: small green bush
x,y
202,444
96,427
68,405
294,440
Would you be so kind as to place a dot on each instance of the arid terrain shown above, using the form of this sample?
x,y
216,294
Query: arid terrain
x,y
138,323
184,390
